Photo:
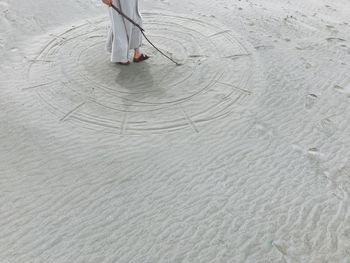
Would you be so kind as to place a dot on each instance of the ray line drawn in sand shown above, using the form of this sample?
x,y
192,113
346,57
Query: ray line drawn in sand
x,y
337,196
190,121
40,60
65,117
282,250
124,123
39,85
91,23
56,36
235,87
97,36
238,55
198,56
220,33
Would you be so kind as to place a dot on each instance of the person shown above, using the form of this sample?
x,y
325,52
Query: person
x,y
123,36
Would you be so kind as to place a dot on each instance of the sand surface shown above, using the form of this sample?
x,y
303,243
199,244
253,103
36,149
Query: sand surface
x,y
240,155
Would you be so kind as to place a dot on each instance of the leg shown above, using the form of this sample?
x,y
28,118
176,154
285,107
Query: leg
x,y
119,38
137,53
136,35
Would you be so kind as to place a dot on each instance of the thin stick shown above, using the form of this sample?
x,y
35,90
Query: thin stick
x,y
161,52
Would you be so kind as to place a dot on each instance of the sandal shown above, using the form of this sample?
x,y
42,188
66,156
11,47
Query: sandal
x,y
141,58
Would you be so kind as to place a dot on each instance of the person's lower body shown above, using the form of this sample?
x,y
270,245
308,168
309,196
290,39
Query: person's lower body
x,y
123,35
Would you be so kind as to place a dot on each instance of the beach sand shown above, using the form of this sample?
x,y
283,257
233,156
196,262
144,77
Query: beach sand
x,y
239,155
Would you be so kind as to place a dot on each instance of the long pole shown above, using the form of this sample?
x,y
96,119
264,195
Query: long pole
x,y
143,33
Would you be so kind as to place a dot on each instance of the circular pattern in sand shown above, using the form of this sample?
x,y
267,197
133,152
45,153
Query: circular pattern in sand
x,y
73,76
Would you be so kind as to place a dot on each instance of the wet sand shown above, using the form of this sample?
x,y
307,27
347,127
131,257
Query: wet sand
x,y
239,155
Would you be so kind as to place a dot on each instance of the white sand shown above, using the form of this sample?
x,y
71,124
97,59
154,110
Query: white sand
x,y
240,155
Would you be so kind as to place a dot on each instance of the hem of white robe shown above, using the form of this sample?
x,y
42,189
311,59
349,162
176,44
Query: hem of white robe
x,y
115,58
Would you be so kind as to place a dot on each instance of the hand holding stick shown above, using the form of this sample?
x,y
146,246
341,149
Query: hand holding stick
x,y
108,2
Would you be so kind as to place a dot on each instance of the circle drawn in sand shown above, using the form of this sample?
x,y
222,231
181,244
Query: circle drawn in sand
x,y
73,76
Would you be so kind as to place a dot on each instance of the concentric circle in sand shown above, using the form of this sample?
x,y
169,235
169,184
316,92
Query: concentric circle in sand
x,y
82,87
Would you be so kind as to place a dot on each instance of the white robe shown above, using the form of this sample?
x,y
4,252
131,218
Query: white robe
x,y
123,35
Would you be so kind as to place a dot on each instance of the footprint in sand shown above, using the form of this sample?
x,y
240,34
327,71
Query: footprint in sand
x,y
332,29
342,178
331,8
310,101
307,64
313,151
335,39
344,90
346,233
327,126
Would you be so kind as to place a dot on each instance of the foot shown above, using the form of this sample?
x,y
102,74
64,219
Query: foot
x,y
142,57
124,63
